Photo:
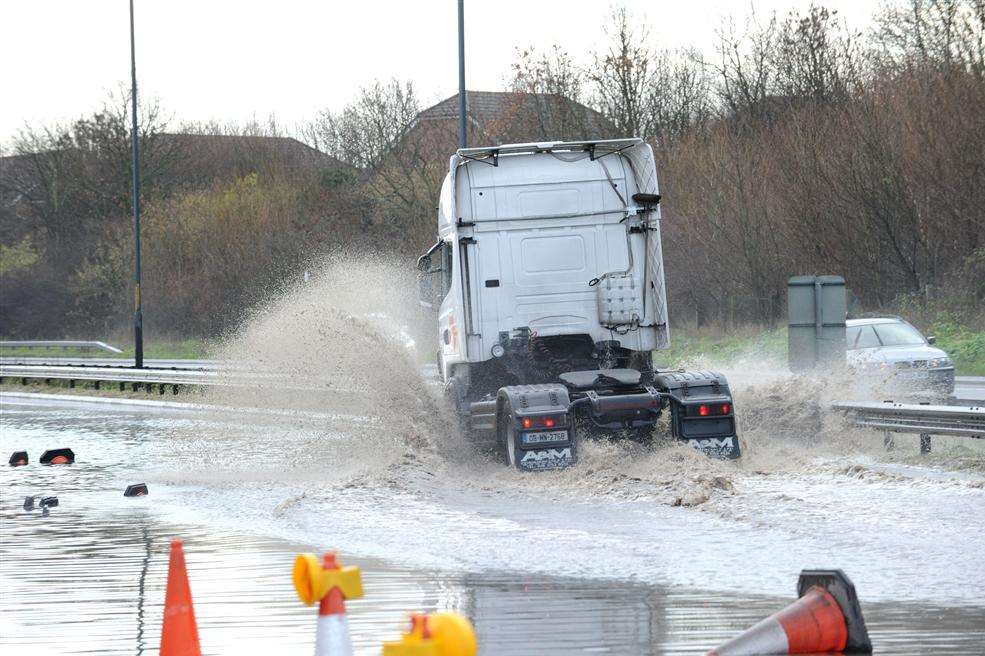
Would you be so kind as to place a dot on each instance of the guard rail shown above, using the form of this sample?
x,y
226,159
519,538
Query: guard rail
x,y
924,420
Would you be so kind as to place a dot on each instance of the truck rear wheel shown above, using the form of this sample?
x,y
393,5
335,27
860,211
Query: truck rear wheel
x,y
511,446
506,429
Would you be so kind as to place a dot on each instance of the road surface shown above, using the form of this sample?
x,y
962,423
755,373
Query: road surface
x,y
970,388
629,553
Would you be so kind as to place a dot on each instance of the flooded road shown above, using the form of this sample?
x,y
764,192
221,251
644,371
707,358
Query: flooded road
x,y
660,552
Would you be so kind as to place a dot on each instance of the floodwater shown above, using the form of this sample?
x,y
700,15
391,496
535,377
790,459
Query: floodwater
x,y
661,552
632,551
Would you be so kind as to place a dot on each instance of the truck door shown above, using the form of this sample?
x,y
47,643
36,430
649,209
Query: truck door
x,y
489,286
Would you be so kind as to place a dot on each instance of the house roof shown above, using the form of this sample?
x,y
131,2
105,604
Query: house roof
x,y
486,107
485,103
223,148
201,158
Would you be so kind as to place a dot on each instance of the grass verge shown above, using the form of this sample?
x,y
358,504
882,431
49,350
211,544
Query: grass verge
x,y
964,345
748,342
187,349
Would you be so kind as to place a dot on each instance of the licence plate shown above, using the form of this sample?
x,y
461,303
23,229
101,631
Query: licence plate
x,y
544,437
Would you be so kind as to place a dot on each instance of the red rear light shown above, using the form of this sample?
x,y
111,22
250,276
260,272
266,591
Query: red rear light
x,y
526,422
703,411
549,422
725,408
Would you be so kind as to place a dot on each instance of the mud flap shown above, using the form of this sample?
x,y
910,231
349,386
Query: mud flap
x,y
718,447
537,426
702,413
557,457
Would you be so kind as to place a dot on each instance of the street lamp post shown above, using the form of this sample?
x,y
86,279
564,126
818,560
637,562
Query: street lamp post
x,y
138,317
462,139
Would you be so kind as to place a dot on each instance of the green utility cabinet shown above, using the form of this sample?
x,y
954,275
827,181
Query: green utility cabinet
x,y
816,331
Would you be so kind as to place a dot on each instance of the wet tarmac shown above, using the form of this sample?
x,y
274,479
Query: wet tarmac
x,y
649,577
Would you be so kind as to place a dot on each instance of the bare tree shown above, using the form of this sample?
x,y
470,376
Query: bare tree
x,y
816,57
72,179
948,33
366,131
680,95
68,189
401,167
622,77
552,73
745,69
548,105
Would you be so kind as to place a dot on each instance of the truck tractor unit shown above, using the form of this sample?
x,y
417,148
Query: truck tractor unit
x,y
548,281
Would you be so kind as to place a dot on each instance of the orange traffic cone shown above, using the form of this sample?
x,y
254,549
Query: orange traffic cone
x,y
330,585
826,618
179,637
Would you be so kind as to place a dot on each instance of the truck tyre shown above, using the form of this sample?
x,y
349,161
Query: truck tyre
x,y
511,446
506,432
455,395
506,426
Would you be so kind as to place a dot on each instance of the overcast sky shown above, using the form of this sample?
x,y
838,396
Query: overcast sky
x,y
234,60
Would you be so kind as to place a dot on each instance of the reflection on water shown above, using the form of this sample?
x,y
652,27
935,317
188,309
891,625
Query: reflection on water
x,y
90,577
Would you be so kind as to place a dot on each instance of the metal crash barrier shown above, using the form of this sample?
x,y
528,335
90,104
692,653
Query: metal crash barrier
x,y
133,379
922,419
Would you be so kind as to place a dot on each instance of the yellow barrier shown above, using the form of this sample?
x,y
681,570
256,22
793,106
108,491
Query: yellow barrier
x,y
312,581
438,634
325,582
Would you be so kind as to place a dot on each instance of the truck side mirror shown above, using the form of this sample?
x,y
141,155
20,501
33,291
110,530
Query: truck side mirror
x,y
425,280
931,339
424,261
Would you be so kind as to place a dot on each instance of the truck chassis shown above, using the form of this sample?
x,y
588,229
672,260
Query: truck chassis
x,y
538,426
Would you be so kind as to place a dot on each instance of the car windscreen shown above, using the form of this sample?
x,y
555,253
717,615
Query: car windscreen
x,y
860,337
898,334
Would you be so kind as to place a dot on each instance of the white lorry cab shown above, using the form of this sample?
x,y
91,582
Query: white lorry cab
x,y
548,282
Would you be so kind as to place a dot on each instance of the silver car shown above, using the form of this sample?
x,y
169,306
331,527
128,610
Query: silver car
x,y
899,355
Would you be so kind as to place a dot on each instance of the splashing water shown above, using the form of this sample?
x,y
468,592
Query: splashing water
x,y
336,357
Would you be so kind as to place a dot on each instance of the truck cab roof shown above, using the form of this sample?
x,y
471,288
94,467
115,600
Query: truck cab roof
x,y
601,146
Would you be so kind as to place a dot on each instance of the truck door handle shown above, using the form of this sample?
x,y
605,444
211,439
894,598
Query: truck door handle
x,y
446,336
